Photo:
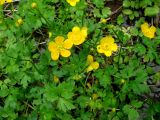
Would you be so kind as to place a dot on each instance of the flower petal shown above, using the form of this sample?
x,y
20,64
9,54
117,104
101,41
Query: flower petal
x,y
89,68
59,40
114,47
108,53
99,49
107,39
152,29
68,44
95,65
84,32
52,46
65,53
89,59
55,55
76,29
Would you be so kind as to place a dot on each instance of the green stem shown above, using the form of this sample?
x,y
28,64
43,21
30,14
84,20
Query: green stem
x,y
120,46
29,60
43,17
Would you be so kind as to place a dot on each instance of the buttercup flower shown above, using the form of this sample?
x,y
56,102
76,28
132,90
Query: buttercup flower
x,y
34,5
148,31
107,46
77,36
19,22
92,65
103,20
5,1
72,2
55,79
59,47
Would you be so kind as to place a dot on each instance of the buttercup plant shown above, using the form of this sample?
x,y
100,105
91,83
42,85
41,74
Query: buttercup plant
x,y
79,60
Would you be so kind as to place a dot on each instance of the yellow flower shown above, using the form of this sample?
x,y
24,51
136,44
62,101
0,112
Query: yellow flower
x,y
92,65
77,36
19,22
103,20
34,5
107,46
94,96
59,47
148,31
55,79
72,2
5,1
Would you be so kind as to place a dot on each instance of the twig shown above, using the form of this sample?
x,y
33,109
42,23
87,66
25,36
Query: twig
x,y
29,105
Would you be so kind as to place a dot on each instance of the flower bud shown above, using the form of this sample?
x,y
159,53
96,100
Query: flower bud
x,y
19,22
113,109
56,79
34,5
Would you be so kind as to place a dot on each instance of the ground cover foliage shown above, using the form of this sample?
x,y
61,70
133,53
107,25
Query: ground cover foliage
x,y
79,60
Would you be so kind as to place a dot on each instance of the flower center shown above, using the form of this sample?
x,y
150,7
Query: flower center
x,y
60,47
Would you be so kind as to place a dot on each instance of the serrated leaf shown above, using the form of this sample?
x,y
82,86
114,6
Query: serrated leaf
x,y
136,104
106,12
65,105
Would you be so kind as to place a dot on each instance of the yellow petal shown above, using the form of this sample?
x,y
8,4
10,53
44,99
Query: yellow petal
x,y
84,31
114,47
107,39
89,59
95,65
55,55
68,44
99,49
153,29
73,3
59,40
78,39
108,53
89,68
65,53
52,46
144,27
9,0
76,29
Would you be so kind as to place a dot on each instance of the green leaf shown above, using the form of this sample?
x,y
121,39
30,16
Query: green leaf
x,y
4,91
104,78
127,11
97,12
140,49
151,11
25,80
98,3
65,105
126,3
133,114
136,104
120,19
106,12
